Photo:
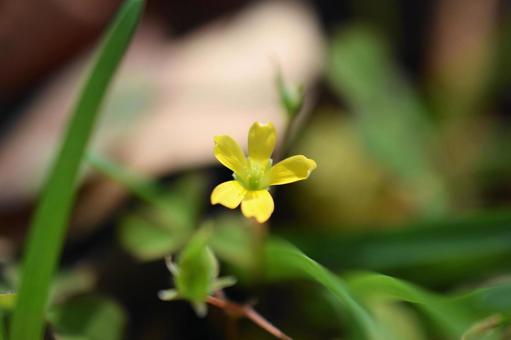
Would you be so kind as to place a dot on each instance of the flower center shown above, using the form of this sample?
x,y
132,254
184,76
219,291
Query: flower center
x,y
256,176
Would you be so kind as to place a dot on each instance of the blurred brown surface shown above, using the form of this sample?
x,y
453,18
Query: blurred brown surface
x,y
36,37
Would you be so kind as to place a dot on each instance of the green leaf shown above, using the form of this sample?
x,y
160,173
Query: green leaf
x,y
399,321
71,283
453,318
198,269
232,240
149,240
163,226
456,314
284,261
491,299
155,230
49,223
388,114
88,317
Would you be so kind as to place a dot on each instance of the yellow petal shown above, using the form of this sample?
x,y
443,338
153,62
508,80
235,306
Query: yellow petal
x,y
229,194
229,153
258,204
261,141
292,169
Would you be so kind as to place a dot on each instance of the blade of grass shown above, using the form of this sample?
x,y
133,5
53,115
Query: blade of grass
x,y
431,252
49,222
455,314
142,187
453,318
285,261
2,328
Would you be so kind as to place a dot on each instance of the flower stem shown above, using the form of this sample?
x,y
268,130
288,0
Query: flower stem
x,y
287,138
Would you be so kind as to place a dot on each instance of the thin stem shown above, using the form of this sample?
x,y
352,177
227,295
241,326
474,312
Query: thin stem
x,y
246,311
286,140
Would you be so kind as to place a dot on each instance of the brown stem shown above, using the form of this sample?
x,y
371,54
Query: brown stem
x,y
246,311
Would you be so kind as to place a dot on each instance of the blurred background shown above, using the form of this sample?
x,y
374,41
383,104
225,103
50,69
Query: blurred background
x,y
406,114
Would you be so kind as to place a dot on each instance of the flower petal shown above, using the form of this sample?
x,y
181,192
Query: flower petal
x,y
229,194
292,169
229,153
258,204
261,141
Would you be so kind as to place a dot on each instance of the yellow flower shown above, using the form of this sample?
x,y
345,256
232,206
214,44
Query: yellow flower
x,y
253,175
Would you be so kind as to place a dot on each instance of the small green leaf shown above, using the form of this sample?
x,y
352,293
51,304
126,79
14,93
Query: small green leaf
x,y
88,317
232,240
71,283
149,240
167,220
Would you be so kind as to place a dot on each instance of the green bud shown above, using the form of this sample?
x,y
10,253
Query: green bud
x,y
195,273
198,268
291,97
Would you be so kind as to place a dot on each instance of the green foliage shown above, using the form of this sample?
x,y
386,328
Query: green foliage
x,y
434,252
88,317
167,221
50,220
388,113
152,232
232,240
70,283
367,298
7,301
282,261
486,328
396,130
138,185
149,240
195,273
452,318
2,325
454,314
197,270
